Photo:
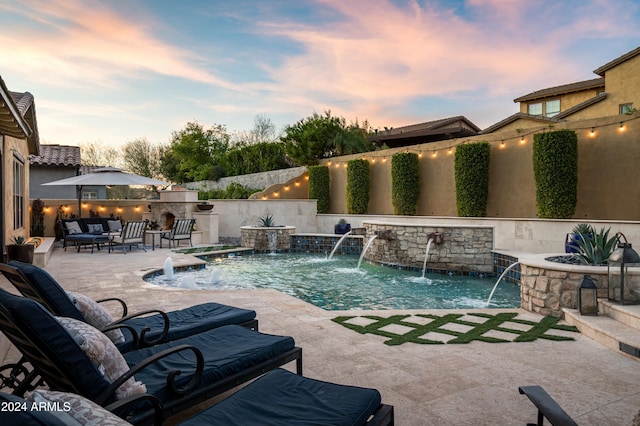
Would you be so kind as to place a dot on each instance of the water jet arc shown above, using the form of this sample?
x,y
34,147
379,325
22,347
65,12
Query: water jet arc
x,y
500,279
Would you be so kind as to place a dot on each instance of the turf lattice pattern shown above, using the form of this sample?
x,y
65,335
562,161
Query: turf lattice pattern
x,y
463,328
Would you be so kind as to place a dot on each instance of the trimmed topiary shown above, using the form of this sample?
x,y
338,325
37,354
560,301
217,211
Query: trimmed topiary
x,y
319,187
405,183
357,186
472,178
555,169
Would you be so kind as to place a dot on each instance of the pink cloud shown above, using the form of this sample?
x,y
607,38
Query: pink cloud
x,y
86,41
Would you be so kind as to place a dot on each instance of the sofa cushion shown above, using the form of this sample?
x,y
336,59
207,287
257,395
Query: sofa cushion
x,y
73,227
95,228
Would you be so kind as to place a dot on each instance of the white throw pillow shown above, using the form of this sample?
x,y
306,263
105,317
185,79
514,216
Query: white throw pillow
x,y
73,228
95,315
104,354
114,225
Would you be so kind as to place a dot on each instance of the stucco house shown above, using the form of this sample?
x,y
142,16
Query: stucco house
x,y
54,162
18,139
430,131
616,91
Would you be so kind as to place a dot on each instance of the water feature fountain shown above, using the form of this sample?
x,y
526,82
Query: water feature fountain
x,y
214,276
338,244
272,237
364,250
500,279
426,256
168,269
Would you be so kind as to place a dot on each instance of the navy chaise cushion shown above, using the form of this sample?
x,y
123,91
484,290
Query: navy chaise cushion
x,y
286,399
229,349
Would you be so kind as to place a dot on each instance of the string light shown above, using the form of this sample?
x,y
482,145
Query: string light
x,y
522,141
502,145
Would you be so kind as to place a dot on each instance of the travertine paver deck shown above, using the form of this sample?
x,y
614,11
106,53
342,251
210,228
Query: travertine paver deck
x,y
470,384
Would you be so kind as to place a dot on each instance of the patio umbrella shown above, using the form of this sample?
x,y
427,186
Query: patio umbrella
x,y
105,176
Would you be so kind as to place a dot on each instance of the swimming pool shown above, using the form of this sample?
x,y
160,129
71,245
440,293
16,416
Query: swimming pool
x,y
338,284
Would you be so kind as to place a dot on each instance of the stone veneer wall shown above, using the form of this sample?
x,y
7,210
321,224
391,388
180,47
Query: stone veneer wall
x,y
548,287
464,249
257,238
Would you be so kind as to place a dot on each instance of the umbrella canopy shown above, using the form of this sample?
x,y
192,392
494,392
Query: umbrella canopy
x,y
105,176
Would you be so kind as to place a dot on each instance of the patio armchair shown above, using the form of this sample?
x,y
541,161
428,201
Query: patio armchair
x,y
279,397
132,234
180,230
67,354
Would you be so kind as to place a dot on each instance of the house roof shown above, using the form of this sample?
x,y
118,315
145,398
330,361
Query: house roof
x,y
430,131
582,105
606,67
563,89
57,155
18,117
518,116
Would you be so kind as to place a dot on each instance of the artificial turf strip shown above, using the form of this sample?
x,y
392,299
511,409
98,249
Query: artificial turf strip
x,y
497,322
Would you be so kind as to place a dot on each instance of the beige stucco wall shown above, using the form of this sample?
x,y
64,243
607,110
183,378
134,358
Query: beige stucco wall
x,y
11,146
607,163
567,101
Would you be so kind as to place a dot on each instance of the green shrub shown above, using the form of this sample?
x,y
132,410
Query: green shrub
x,y
555,169
233,191
595,248
357,186
319,187
472,178
405,183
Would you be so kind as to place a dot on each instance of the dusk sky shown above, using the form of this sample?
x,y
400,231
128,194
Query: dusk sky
x,y
113,71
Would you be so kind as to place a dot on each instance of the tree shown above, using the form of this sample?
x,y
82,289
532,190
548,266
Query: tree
x,y
263,131
323,136
94,154
196,154
143,158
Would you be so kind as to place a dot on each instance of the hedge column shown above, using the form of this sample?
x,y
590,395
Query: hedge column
x,y
555,169
405,183
357,186
472,179
319,187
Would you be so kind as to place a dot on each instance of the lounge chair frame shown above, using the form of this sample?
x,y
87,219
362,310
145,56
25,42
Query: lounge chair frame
x,y
63,376
180,230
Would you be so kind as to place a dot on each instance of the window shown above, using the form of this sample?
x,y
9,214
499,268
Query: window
x,y
626,108
552,108
535,109
18,192
90,195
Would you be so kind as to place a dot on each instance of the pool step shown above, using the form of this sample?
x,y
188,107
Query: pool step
x,y
616,327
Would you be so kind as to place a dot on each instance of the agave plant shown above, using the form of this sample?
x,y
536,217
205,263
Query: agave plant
x,y
583,228
267,221
596,248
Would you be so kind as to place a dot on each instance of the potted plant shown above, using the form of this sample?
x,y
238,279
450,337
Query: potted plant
x,y
342,227
578,233
20,250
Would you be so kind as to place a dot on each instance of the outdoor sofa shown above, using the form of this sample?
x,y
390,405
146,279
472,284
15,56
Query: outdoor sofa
x,y
91,231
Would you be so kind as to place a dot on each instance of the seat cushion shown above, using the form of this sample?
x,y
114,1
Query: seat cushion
x,y
193,320
227,350
48,288
283,398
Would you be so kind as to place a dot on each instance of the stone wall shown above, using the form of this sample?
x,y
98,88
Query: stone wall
x,y
261,238
464,250
548,287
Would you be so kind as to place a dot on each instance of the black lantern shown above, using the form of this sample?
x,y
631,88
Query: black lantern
x,y
619,281
588,296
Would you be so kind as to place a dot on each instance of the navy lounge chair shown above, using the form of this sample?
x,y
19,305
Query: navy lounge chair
x,y
180,374
277,398
37,284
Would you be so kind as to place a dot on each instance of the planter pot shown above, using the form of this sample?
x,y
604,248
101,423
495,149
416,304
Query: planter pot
x,y
204,207
20,252
570,244
341,228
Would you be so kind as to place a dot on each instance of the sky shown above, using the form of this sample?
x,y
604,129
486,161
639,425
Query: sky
x,y
113,71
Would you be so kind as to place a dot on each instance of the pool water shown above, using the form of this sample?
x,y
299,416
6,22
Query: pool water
x,y
338,284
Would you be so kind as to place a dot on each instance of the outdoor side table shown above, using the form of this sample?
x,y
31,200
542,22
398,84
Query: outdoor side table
x,y
153,237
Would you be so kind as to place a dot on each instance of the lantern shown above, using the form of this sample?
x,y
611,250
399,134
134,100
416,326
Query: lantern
x,y
588,296
620,285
